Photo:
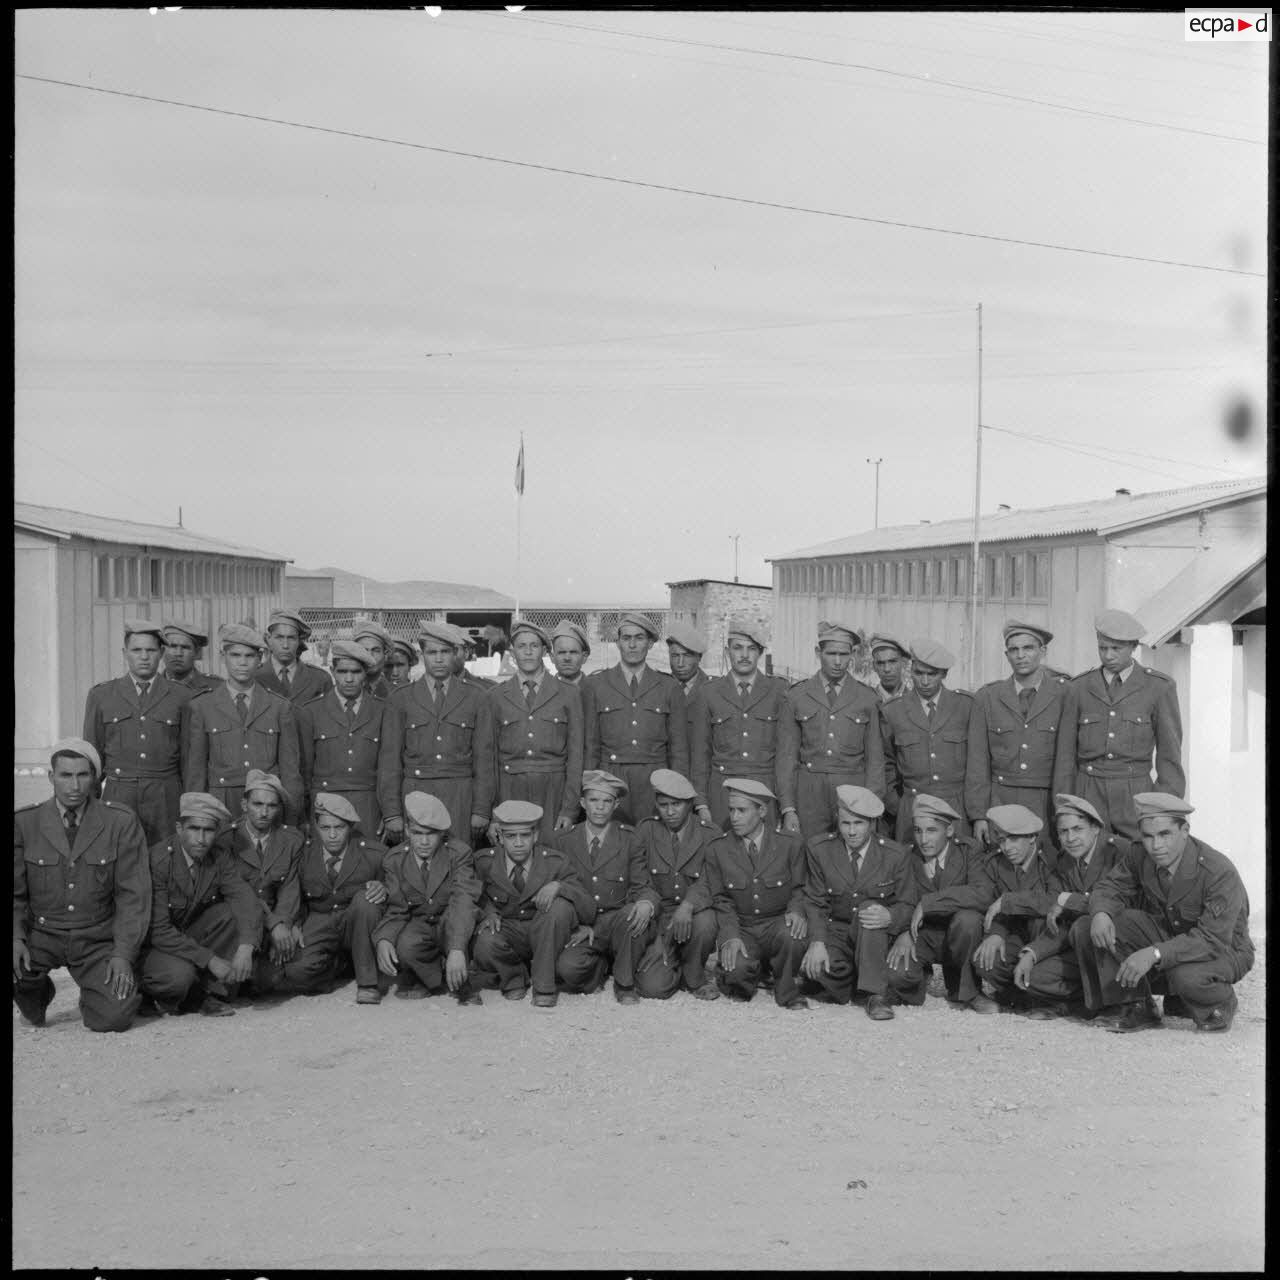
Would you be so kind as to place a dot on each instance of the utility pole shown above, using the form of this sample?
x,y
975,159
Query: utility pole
x,y
735,538
875,462
977,512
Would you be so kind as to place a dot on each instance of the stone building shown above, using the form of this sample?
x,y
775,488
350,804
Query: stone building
x,y
709,603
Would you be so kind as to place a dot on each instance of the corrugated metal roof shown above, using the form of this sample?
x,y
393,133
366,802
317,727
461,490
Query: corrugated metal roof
x,y
354,591
1102,515
81,524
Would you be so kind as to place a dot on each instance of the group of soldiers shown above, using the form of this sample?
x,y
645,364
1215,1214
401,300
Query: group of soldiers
x,y
271,830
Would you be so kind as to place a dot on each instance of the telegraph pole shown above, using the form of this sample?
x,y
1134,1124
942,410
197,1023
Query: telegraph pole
x,y
977,512
735,538
875,462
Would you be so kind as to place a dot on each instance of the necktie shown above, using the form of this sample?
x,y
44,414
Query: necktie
x,y
260,844
831,695
242,708
743,689
143,687
517,878
439,694
595,848
1025,699
929,708
284,679
1113,687
634,685
334,865
73,824
530,689
1165,876
351,711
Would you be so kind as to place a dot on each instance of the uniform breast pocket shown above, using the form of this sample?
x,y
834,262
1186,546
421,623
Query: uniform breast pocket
x,y
104,867
457,734
553,732
1135,732
854,728
121,730
263,743
1091,733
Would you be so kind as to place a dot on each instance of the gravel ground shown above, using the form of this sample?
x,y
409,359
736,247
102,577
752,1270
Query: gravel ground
x,y
313,1133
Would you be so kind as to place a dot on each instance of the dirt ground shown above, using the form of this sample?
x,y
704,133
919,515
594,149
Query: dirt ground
x,y
315,1133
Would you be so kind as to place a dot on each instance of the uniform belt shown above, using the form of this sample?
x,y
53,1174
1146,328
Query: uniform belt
x,y
534,766
635,757
429,770
932,788
110,775
837,764
1116,769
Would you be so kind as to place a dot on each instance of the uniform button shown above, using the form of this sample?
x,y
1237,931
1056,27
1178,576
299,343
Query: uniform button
x,y
40,920
417,773
1088,768
595,878
1110,756
1111,735
933,755
1024,746
142,755
634,743
70,885
634,723
1022,766
117,770
829,752
529,752
999,778
1110,713
831,735
439,738
71,906
935,777
439,757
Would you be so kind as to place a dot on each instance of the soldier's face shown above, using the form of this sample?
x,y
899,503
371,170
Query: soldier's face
x,y
746,817
375,647
262,808
398,667
888,665
528,650
1164,839
333,832
196,836
517,842
72,779
743,656
437,659
599,806
932,834
241,661
1018,849
142,656
1025,653
634,644
673,813
854,829
424,841
927,680
834,657
1077,835
683,662
568,655
179,655
283,641
1114,655
461,656
348,677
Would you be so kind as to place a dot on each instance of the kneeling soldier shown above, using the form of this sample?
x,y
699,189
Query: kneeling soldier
x,y
674,845
859,893
343,899
756,879
532,899
204,915
610,864
946,925
432,893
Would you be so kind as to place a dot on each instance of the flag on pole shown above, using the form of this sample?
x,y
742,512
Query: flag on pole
x,y
520,467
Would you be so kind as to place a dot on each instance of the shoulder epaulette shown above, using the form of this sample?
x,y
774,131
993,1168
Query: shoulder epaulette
x,y
626,826
1159,675
23,808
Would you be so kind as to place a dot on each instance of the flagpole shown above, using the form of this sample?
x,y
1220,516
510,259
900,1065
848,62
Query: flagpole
x,y
519,505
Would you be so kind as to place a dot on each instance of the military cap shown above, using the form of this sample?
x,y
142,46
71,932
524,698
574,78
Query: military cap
x,y
517,813
571,631
445,632
886,642
1063,803
1012,628
79,747
929,653
687,637
372,629
293,619
748,628
859,801
667,782
837,631
932,807
427,811
1115,624
238,633
199,804
599,780
258,780
1159,804
1015,820
463,638
403,646
143,627
336,806
356,652
749,787
641,620
525,625
188,629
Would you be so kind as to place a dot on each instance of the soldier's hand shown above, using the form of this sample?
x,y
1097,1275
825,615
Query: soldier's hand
x,y
730,952
120,977
490,924
816,960
903,952
583,935
917,917
1134,967
874,915
241,963
21,959
639,916
980,831
563,823
682,923
992,911
295,932
988,951
791,824
546,895
1051,920
797,924
282,944
1022,970
375,891
478,823
392,830
654,952
219,968
388,958
455,969
1102,932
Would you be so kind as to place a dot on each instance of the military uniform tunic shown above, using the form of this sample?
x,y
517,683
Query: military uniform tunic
x,y
345,757
1025,898
920,757
273,874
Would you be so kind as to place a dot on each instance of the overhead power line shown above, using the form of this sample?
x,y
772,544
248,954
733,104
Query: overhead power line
x,y
641,183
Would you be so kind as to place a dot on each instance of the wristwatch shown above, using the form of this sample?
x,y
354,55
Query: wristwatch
x,y
1155,951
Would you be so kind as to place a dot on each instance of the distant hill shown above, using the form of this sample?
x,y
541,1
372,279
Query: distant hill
x,y
353,590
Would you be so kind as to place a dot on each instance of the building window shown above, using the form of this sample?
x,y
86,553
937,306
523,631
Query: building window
x,y
895,579
1040,575
104,577
908,578
117,577
992,570
1015,576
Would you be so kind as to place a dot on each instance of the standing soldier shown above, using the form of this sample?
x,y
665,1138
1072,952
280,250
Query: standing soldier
x,y
1014,730
828,737
926,738
1114,719
136,724
529,739
735,725
284,672
570,648
400,663
685,648
636,720
378,641
81,895
184,643
430,738
241,726
887,658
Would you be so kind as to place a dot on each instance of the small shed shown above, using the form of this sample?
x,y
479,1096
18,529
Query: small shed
x,y
708,604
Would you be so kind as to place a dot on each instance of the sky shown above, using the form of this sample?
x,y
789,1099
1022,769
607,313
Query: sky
x,y
326,341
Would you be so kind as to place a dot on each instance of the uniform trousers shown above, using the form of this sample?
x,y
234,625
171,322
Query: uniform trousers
x,y
1113,799
859,961
169,979
421,951
327,938
585,966
154,800
951,944
677,962
769,940
85,953
525,949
